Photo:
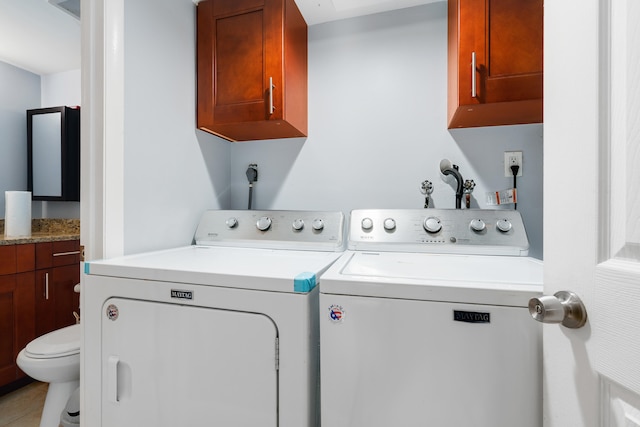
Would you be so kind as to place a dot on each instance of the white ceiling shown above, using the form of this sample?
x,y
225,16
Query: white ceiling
x,y
38,37
319,11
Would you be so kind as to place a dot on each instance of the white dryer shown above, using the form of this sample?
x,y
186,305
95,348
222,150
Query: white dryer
x,y
223,332
425,322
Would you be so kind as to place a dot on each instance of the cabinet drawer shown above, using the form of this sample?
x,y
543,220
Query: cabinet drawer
x,y
66,253
54,254
7,259
25,257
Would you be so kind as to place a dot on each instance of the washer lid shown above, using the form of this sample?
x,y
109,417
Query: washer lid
x,y
59,343
503,280
275,270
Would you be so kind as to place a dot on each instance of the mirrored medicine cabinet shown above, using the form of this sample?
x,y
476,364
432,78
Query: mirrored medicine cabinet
x,y
53,145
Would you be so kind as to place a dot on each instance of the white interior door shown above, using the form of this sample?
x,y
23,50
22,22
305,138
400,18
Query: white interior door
x,y
592,210
168,365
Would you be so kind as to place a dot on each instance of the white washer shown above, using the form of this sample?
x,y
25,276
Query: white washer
x,y
424,322
224,332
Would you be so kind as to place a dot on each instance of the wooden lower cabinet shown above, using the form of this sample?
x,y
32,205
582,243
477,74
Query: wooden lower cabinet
x,y
17,321
55,299
58,272
36,296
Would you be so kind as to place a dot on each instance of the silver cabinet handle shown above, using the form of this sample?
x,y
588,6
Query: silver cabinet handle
x,y
473,74
67,253
563,307
271,87
46,286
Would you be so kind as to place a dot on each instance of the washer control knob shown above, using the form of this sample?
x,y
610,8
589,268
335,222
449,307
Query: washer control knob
x,y
317,224
367,224
389,224
232,222
504,225
298,224
432,224
477,225
264,223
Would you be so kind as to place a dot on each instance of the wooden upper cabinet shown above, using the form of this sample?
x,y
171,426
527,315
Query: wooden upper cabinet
x,y
495,62
252,69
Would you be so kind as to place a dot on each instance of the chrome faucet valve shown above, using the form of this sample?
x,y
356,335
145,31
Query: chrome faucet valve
x,y
468,187
426,188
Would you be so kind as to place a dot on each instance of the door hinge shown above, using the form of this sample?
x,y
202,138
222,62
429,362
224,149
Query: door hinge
x,y
81,253
277,354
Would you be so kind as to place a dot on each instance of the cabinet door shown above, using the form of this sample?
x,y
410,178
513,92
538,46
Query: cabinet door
x,y
25,319
44,302
495,62
66,300
8,335
168,365
16,322
53,148
247,89
241,66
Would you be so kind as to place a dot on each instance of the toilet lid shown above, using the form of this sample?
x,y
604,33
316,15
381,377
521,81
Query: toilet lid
x,y
59,343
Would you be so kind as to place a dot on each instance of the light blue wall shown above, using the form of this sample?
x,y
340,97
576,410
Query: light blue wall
x,y
377,128
19,91
172,172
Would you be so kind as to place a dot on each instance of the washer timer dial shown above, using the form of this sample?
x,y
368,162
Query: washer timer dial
x,y
477,225
264,223
432,224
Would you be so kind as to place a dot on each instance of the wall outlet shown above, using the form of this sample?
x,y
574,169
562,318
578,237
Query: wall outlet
x,y
512,158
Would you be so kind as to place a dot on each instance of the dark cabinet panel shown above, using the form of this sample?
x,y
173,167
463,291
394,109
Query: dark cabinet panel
x,y
53,148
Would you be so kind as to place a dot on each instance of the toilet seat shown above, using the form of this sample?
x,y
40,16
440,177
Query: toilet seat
x,y
59,343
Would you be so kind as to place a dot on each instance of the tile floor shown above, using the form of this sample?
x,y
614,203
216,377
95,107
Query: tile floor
x,y
23,407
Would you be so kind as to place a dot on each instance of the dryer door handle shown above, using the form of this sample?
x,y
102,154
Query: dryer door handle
x,y
112,378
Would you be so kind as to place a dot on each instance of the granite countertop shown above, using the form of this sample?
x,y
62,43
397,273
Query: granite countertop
x,y
45,230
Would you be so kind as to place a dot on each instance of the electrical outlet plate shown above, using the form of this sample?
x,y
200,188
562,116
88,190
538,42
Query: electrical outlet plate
x,y
512,158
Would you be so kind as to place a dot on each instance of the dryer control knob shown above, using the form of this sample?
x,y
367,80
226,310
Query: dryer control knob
x,y
298,224
389,224
504,225
264,223
232,222
477,225
432,224
317,224
366,223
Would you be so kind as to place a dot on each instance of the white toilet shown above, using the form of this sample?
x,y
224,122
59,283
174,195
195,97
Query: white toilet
x,y
54,358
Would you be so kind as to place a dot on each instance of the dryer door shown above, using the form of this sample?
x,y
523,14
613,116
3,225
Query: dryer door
x,y
174,365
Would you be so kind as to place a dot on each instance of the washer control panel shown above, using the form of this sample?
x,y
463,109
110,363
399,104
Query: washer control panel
x,y
462,231
301,230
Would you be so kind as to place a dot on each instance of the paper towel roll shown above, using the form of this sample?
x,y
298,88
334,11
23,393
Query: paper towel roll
x,y
17,213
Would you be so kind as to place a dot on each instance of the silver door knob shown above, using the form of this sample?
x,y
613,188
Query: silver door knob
x,y
563,307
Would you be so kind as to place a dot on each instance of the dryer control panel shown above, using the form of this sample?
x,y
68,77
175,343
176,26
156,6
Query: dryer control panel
x,y
460,231
293,230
